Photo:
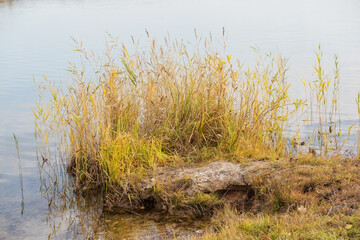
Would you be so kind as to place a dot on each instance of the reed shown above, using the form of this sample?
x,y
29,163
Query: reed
x,y
20,174
323,110
171,104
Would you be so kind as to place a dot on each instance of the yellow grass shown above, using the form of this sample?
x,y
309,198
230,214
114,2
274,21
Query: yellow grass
x,y
167,105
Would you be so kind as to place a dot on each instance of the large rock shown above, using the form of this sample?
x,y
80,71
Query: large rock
x,y
194,190
213,177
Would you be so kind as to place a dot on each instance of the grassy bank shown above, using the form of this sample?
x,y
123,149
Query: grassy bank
x,y
309,200
173,104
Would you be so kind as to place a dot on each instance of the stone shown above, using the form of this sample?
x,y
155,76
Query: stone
x,y
195,190
219,176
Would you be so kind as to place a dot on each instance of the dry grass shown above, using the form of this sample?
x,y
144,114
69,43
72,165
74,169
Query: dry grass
x,y
164,105
298,201
297,225
175,104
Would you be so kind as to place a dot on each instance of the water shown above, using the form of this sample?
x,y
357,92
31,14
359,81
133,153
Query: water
x,y
35,41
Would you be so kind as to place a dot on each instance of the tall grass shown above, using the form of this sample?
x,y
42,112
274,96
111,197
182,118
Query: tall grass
x,y
164,105
323,102
172,104
20,174
357,100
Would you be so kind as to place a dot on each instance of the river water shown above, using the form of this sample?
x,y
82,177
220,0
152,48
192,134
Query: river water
x,y
35,41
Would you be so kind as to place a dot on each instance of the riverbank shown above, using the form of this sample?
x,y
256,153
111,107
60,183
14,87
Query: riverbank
x,y
300,200
187,132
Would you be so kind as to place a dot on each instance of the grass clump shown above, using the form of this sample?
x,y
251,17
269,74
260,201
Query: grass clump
x,y
165,105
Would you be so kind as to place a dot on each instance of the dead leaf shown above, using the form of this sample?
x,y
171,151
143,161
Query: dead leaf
x,y
348,227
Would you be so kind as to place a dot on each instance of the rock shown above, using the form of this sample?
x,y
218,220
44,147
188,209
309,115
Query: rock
x,y
230,179
188,191
213,177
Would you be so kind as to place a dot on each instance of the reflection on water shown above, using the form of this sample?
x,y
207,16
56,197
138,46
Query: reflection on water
x,y
74,216
84,219
150,227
